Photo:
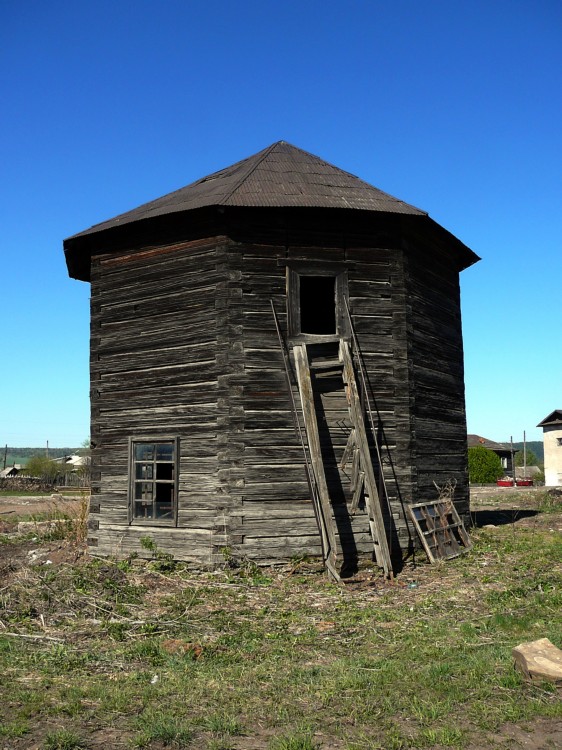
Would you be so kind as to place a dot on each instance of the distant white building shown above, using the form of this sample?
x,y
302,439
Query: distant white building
x,y
73,460
552,439
10,471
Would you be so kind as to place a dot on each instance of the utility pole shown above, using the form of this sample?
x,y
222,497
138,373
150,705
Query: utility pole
x,y
5,454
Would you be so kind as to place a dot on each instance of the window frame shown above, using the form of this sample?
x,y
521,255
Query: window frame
x,y
133,481
294,273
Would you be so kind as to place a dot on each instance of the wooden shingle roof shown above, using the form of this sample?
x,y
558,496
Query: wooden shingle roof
x,y
280,176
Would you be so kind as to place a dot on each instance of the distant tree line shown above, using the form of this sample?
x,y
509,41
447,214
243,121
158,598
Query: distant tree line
x,y
536,446
532,459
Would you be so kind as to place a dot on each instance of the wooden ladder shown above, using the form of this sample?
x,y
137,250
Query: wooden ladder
x,y
363,473
358,445
325,518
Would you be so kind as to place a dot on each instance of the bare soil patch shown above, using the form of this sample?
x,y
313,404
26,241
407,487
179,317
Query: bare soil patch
x,y
22,506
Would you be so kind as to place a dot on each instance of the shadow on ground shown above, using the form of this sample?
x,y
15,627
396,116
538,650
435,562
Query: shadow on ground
x,y
500,517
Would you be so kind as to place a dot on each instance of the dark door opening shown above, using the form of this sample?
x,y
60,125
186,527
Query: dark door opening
x,y
318,304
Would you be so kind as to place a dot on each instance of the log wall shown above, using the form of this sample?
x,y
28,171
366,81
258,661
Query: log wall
x,y
436,352
276,518
183,343
159,351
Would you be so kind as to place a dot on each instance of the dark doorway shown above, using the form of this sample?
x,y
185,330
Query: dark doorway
x,y
318,304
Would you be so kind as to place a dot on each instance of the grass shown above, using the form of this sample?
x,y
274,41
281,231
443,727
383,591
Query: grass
x,y
294,742
171,658
157,725
62,739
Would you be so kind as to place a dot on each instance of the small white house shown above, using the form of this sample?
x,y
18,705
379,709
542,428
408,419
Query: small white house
x,y
10,471
552,438
74,460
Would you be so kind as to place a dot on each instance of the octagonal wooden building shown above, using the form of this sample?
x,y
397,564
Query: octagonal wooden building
x,y
276,367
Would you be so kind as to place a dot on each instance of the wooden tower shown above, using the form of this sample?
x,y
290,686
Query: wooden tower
x,y
276,367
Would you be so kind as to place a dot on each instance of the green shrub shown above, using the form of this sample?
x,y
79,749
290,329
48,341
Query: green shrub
x,y
538,478
484,466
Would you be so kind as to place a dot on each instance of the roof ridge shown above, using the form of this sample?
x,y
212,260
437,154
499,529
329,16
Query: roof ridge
x,y
250,171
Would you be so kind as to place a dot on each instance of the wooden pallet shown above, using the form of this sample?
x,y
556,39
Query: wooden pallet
x,y
440,529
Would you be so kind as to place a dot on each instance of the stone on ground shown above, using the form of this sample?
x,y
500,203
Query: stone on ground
x,y
539,660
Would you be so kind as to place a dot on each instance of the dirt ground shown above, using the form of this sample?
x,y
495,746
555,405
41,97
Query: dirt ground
x,y
12,507
32,552
489,507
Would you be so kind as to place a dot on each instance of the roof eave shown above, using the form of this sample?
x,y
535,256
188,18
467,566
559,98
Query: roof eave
x,y
554,418
79,248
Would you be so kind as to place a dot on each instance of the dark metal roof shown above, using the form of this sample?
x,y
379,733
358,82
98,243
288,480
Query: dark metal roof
x,y
554,417
279,176
281,189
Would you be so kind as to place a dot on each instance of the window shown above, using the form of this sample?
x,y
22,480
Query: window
x,y
153,481
559,441
315,302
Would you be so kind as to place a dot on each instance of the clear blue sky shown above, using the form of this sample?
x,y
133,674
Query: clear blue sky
x,y
453,107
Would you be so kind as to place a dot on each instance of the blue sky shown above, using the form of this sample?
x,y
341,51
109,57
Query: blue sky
x,y
453,107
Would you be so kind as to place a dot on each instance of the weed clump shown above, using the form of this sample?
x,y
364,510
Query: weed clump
x,y
162,562
62,739
550,501
159,726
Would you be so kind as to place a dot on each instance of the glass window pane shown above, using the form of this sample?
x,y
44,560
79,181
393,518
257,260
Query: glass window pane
x,y
144,471
143,509
143,491
163,510
164,452
144,451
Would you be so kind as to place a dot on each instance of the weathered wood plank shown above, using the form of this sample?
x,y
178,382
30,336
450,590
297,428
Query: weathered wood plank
x,y
307,403
372,498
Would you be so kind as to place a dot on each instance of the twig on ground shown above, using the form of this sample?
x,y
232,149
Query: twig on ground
x,y
30,637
